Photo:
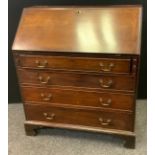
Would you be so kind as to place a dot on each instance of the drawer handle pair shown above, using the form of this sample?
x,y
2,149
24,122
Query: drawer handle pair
x,y
106,68
105,104
42,81
105,122
41,64
49,116
46,97
108,85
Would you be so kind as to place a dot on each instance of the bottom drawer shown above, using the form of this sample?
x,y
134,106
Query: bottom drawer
x,y
91,118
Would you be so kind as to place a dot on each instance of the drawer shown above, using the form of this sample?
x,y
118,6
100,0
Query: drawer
x,y
111,120
77,97
76,63
71,79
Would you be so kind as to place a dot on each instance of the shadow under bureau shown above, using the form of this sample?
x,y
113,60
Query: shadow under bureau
x,y
78,68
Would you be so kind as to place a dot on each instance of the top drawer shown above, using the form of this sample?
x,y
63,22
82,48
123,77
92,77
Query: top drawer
x,y
109,65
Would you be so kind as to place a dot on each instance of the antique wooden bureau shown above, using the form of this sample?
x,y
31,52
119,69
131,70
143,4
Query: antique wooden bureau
x,y
78,68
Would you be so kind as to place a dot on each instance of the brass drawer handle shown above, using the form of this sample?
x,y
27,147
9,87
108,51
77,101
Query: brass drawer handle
x,y
41,64
42,81
108,85
106,68
105,122
49,116
46,97
105,104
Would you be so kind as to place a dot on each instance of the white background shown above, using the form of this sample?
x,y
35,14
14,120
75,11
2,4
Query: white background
x,y
4,78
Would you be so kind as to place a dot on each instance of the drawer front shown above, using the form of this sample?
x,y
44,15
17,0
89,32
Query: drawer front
x,y
77,80
78,98
102,65
111,120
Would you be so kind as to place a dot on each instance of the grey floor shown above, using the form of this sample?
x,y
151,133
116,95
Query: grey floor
x,y
68,142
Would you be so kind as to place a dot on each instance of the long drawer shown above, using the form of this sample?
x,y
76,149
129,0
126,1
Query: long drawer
x,y
77,79
78,97
102,65
111,120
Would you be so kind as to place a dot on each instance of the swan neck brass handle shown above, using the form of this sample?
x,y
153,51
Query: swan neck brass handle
x,y
49,116
107,67
42,81
105,104
105,122
108,85
41,64
46,97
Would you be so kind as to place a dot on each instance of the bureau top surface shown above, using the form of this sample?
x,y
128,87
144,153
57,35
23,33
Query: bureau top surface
x,y
109,30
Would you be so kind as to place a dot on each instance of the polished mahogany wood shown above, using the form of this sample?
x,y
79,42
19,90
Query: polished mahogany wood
x,y
114,120
78,68
114,29
86,99
72,79
101,65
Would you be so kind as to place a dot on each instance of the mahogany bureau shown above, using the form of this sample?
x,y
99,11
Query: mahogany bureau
x,y
78,68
